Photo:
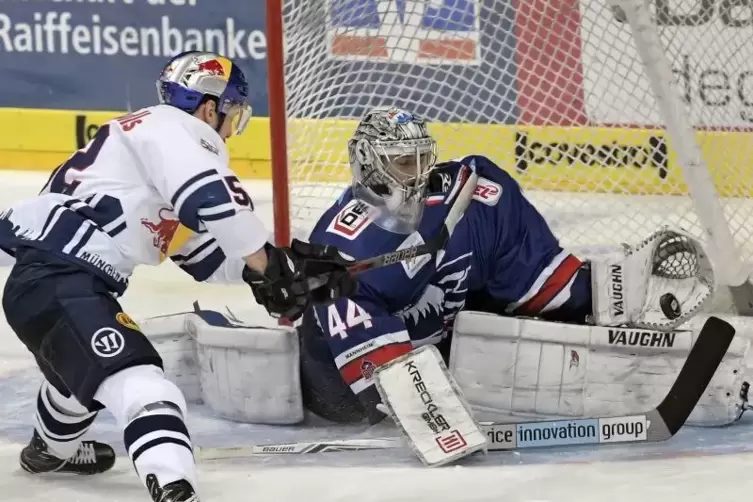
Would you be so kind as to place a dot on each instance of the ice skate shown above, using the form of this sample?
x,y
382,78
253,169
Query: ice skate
x,y
177,491
91,458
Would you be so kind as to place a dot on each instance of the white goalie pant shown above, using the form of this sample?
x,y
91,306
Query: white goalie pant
x,y
537,369
241,372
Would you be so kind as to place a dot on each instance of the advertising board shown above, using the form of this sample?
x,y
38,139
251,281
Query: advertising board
x,y
107,54
539,112
42,139
709,50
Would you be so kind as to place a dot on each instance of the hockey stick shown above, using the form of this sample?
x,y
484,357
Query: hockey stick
x,y
202,453
656,425
433,245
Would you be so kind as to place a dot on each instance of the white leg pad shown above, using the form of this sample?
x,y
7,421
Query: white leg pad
x,y
538,369
170,336
429,408
249,374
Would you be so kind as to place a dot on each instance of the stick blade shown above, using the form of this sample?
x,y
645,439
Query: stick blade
x,y
699,368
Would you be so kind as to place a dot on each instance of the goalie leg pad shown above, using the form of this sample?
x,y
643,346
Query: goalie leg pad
x,y
427,405
249,374
538,369
177,347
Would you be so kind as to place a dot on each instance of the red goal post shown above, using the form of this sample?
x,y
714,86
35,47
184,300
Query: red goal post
x,y
616,116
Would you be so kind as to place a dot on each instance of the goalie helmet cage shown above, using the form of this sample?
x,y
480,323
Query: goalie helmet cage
x,y
615,116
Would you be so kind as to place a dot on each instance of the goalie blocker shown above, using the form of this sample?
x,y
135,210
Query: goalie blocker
x,y
427,405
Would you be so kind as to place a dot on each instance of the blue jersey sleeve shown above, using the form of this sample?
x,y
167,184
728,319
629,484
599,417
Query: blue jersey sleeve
x,y
530,274
361,332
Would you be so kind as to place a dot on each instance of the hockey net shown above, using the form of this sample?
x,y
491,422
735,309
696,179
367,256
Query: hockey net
x,y
556,92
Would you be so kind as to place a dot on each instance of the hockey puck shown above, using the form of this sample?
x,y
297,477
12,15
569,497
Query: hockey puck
x,y
670,306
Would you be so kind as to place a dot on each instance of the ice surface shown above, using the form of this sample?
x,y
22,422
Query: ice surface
x,y
697,465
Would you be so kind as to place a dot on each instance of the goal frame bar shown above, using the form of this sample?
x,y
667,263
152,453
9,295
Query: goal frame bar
x,y
277,121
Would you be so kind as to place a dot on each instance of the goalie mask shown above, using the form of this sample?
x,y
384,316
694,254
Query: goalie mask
x,y
391,155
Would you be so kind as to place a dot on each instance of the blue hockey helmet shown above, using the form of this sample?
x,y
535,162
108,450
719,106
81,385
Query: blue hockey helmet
x,y
192,76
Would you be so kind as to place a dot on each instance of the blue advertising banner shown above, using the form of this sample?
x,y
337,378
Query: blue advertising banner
x,y
107,54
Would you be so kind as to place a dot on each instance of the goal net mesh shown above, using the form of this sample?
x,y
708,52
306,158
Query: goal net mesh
x,y
553,91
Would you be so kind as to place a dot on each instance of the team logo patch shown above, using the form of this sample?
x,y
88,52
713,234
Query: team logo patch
x,y
367,369
127,321
107,342
162,230
574,359
351,220
487,192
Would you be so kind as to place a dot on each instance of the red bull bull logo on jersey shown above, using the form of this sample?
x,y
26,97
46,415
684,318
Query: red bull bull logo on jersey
x,y
163,230
405,31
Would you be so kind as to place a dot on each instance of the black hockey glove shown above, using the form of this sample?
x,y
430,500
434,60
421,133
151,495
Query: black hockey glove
x,y
325,261
282,289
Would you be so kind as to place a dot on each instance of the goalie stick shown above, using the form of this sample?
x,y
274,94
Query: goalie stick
x,y
656,425
434,245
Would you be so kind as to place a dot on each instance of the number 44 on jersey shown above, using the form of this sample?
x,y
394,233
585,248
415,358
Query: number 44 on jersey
x,y
354,315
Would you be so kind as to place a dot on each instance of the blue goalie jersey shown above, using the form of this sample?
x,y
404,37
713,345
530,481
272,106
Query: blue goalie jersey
x,y
502,258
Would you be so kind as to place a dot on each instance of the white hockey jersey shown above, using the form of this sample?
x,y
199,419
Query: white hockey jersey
x,y
150,185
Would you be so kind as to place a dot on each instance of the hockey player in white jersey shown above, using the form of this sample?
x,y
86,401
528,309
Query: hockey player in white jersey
x,y
150,185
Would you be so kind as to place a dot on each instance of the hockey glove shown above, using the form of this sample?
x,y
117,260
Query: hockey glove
x,y
282,289
325,261
658,284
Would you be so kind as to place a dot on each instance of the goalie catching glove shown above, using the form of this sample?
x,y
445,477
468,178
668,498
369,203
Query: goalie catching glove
x,y
283,288
658,284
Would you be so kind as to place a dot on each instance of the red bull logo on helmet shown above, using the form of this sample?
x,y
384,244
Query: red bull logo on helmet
x,y
214,67
219,67
163,230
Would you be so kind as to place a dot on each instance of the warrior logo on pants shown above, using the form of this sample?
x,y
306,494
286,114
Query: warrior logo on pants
x,y
107,342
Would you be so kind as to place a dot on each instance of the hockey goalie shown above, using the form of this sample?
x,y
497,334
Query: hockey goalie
x,y
382,350
525,327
